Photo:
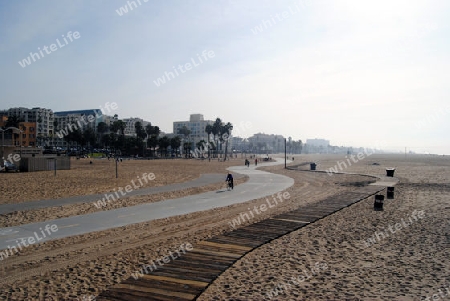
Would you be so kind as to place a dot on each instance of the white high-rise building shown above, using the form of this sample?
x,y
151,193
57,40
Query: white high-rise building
x,y
196,125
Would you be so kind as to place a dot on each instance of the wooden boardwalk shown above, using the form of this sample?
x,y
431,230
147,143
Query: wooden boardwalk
x,y
186,277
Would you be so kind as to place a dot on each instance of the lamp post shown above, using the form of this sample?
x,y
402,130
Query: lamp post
x,y
285,154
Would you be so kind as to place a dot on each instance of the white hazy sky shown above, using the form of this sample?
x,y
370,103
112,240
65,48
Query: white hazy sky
x,y
359,73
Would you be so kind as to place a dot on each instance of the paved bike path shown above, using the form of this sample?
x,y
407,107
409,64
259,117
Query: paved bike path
x,y
260,184
204,179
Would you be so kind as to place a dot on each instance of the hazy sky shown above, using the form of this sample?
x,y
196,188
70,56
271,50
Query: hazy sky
x,y
361,73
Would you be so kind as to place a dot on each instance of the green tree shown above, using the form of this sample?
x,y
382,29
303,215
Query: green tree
x,y
152,133
13,121
89,136
164,143
118,127
225,135
186,133
216,130
140,131
187,146
175,143
209,130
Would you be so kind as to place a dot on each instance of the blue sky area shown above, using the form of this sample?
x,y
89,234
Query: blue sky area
x,y
359,73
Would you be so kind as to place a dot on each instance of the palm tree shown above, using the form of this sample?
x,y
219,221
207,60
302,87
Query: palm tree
x,y
216,130
185,132
175,144
102,128
209,130
152,133
140,135
187,146
164,143
140,131
201,146
226,131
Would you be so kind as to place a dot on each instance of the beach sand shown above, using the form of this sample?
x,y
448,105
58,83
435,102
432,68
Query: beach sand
x,y
400,253
410,264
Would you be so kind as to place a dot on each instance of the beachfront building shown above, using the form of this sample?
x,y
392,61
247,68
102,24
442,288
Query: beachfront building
x,y
196,125
69,121
27,136
316,145
239,144
130,123
43,119
266,143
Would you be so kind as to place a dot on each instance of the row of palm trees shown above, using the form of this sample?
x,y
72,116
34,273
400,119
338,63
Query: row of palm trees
x,y
147,138
220,132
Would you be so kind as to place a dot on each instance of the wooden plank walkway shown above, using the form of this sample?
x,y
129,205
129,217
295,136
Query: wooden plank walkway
x,y
186,277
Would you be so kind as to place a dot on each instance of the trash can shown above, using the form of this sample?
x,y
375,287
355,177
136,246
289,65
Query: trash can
x,y
378,204
390,193
390,172
313,166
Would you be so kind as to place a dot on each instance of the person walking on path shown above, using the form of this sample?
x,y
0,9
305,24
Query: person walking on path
x,y
256,161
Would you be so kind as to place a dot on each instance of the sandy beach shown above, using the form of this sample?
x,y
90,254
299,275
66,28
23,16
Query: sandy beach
x,y
400,253
343,251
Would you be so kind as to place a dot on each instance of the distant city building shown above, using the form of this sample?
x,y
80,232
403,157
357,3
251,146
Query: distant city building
x,y
130,129
318,142
41,116
266,143
12,137
239,144
69,121
196,125
80,118
317,146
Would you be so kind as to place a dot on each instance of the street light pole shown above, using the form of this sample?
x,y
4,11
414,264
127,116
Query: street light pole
x,y
285,155
3,144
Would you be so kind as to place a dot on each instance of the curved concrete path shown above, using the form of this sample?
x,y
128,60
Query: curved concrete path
x,y
260,184
205,179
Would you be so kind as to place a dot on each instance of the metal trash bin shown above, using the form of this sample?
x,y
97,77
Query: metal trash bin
x,y
390,193
390,172
378,204
313,166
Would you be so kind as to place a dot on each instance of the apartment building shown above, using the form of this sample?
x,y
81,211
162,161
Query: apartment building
x,y
196,125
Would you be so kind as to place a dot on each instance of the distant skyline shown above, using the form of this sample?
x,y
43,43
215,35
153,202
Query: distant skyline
x,y
357,73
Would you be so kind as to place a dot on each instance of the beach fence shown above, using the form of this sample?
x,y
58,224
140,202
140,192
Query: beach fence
x,y
44,163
